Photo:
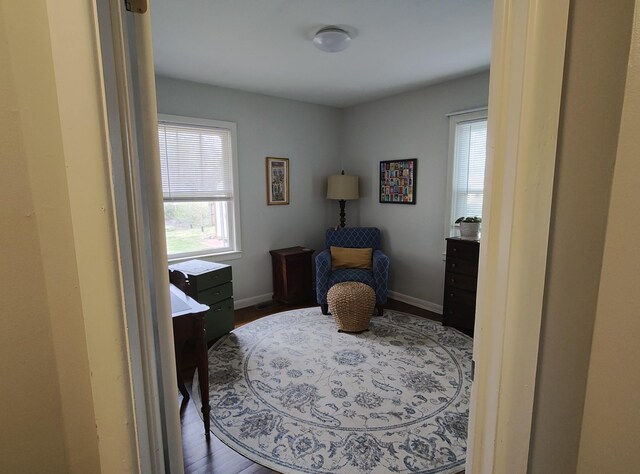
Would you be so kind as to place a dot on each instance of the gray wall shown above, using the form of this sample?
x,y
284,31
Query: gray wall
x,y
409,125
306,134
322,140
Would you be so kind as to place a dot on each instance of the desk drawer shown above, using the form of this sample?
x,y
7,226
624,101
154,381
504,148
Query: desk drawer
x,y
215,294
211,279
220,319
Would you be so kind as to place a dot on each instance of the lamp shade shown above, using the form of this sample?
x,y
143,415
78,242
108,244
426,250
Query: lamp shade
x,y
342,187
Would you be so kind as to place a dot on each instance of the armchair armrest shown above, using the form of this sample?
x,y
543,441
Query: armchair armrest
x,y
380,274
323,271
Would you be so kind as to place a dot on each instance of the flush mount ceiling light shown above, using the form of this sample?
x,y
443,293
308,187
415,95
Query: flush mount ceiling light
x,y
332,39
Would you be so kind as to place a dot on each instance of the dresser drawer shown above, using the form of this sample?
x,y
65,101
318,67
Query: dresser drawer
x,y
215,294
219,319
215,278
460,316
463,250
453,295
458,280
457,265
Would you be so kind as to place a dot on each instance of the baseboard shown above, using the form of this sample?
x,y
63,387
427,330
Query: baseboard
x,y
424,304
254,300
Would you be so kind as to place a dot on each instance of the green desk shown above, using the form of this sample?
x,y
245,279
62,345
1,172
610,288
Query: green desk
x,y
211,284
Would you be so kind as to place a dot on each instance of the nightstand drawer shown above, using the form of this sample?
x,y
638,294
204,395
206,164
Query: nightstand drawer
x,y
215,278
457,280
454,295
215,294
462,250
219,319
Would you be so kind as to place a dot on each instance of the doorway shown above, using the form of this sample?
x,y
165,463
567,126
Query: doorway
x,y
510,94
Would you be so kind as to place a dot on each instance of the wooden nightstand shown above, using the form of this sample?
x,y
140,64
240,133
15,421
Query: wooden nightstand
x,y
208,283
460,280
292,275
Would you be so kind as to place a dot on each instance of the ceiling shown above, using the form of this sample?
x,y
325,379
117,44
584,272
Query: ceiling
x,y
265,46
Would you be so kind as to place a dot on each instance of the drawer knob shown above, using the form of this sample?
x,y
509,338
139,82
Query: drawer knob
x,y
454,249
453,265
452,280
451,295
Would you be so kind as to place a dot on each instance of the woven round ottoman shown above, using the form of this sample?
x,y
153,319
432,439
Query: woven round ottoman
x,y
351,304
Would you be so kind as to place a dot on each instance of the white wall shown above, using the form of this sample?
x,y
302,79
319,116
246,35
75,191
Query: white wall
x,y
409,125
66,398
267,126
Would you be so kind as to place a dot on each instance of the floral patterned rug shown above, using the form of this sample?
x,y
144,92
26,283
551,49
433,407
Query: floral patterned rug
x,y
291,393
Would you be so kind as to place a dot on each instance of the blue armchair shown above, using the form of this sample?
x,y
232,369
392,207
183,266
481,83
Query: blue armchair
x,y
376,278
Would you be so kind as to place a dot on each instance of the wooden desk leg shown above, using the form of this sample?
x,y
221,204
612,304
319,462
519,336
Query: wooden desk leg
x,y
179,347
203,373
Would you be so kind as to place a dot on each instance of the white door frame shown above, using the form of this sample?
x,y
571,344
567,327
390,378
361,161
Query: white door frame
x,y
131,117
524,105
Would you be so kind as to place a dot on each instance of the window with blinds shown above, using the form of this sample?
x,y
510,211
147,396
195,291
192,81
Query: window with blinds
x,y
467,163
197,163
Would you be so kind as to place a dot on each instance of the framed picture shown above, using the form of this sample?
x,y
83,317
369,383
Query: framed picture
x,y
398,181
277,181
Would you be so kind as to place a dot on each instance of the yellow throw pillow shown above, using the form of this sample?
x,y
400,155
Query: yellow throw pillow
x,y
343,257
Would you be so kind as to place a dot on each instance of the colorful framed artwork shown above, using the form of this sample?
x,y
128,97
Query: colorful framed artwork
x,y
277,181
398,181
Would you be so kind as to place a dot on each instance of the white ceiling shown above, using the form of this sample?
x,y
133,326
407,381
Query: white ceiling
x,y
265,46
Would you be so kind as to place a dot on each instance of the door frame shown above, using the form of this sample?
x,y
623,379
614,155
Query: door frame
x,y
525,92
524,107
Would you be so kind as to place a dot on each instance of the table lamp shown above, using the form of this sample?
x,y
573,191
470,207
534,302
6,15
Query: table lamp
x,y
342,187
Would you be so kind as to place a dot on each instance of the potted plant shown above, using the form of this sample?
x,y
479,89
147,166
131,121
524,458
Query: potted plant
x,y
469,227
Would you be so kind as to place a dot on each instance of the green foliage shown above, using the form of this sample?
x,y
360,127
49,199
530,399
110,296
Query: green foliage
x,y
472,220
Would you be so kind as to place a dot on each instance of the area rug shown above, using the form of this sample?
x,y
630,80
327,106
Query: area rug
x,y
291,393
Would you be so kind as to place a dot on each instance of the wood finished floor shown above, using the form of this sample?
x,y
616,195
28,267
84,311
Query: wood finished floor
x,y
214,456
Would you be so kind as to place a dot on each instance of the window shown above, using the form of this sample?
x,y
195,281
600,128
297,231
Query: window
x,y
199,186
467,154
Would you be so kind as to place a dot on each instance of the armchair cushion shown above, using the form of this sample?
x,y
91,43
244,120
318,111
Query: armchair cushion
x,y
343,257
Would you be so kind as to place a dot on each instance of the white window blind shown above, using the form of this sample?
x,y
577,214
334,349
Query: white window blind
x,y
196,162
468,173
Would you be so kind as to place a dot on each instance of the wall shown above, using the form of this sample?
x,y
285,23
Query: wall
x,y
32,408
267,126
409,125
66,401
595,65
610,433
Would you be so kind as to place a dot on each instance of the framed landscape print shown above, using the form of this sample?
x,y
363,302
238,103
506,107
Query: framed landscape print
x,y
277,181
398,181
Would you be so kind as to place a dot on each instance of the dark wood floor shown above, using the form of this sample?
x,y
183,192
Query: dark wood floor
x,y
214,456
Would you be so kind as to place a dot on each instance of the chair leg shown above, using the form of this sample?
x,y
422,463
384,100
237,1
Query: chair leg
x,y
380,309
325,309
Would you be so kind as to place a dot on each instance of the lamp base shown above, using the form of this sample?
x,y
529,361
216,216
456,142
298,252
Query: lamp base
x,y
342,220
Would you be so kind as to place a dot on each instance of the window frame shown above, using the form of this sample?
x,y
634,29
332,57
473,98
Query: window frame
x,y
455,118
234,212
